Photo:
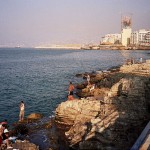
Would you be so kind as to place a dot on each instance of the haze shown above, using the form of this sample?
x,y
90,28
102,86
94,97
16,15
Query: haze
x,y
32,23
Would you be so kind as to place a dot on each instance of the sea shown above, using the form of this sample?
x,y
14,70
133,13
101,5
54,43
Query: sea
x,y
40,77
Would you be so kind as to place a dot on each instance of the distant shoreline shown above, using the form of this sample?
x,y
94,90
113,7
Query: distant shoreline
x,y
72,48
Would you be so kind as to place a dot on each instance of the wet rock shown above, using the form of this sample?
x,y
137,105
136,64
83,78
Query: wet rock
x,y
79,75
81,86
34,116
114,69
21,129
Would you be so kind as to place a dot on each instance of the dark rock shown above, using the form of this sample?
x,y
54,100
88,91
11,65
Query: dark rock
x,y
21,129
81,86
79,75
24,145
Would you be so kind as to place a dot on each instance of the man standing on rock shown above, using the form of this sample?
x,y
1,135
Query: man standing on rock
x,y
71,89
22,108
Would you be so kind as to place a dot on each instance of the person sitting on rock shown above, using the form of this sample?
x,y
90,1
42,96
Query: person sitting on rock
x,y
5,137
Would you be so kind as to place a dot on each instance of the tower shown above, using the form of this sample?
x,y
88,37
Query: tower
x,y
126,29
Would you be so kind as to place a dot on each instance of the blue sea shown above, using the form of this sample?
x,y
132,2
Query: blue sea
x,y
40,77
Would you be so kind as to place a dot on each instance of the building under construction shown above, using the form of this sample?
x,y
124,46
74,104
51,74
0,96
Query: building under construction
x,y
126,29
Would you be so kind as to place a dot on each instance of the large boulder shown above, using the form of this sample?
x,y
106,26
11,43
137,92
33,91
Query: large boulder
x,y
24,145
70,112
34,116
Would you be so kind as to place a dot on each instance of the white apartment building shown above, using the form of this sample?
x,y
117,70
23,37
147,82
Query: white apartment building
x,y
111,39
126,36
141,37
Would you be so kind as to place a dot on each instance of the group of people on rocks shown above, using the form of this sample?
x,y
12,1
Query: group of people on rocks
x,y
4,135
71,88
4,132
132,61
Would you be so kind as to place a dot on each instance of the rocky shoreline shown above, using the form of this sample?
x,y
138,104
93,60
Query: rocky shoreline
x,y
112,115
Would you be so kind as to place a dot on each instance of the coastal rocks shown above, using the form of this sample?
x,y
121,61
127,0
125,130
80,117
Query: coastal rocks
x,y
113,121
34,116
77,115
93,129
81,86
41,132
85,90
122,87
85,120
24,145
140,69
70,112
128,95
21,129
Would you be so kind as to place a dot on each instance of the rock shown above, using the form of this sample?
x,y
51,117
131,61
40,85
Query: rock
x,y
25,145
81,86
79,75
34,116
21,129
140,69
69,112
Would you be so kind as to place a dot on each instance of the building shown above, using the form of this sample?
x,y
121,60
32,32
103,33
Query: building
x,y
111,39
126,36
126,30
141,38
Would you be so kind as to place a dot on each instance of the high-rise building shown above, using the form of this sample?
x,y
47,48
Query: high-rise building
x,y
126,30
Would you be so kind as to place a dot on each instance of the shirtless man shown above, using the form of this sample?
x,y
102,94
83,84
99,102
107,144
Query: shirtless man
x,y
71,88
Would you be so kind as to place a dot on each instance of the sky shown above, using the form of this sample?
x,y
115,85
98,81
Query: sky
x,y
43,22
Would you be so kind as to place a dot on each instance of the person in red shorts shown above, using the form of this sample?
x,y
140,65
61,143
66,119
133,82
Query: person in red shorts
x,y
71,89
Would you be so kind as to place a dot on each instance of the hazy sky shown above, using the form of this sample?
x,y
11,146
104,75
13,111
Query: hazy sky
x,y
42,22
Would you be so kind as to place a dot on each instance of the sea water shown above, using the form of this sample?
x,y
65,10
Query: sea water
x,y
40,77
